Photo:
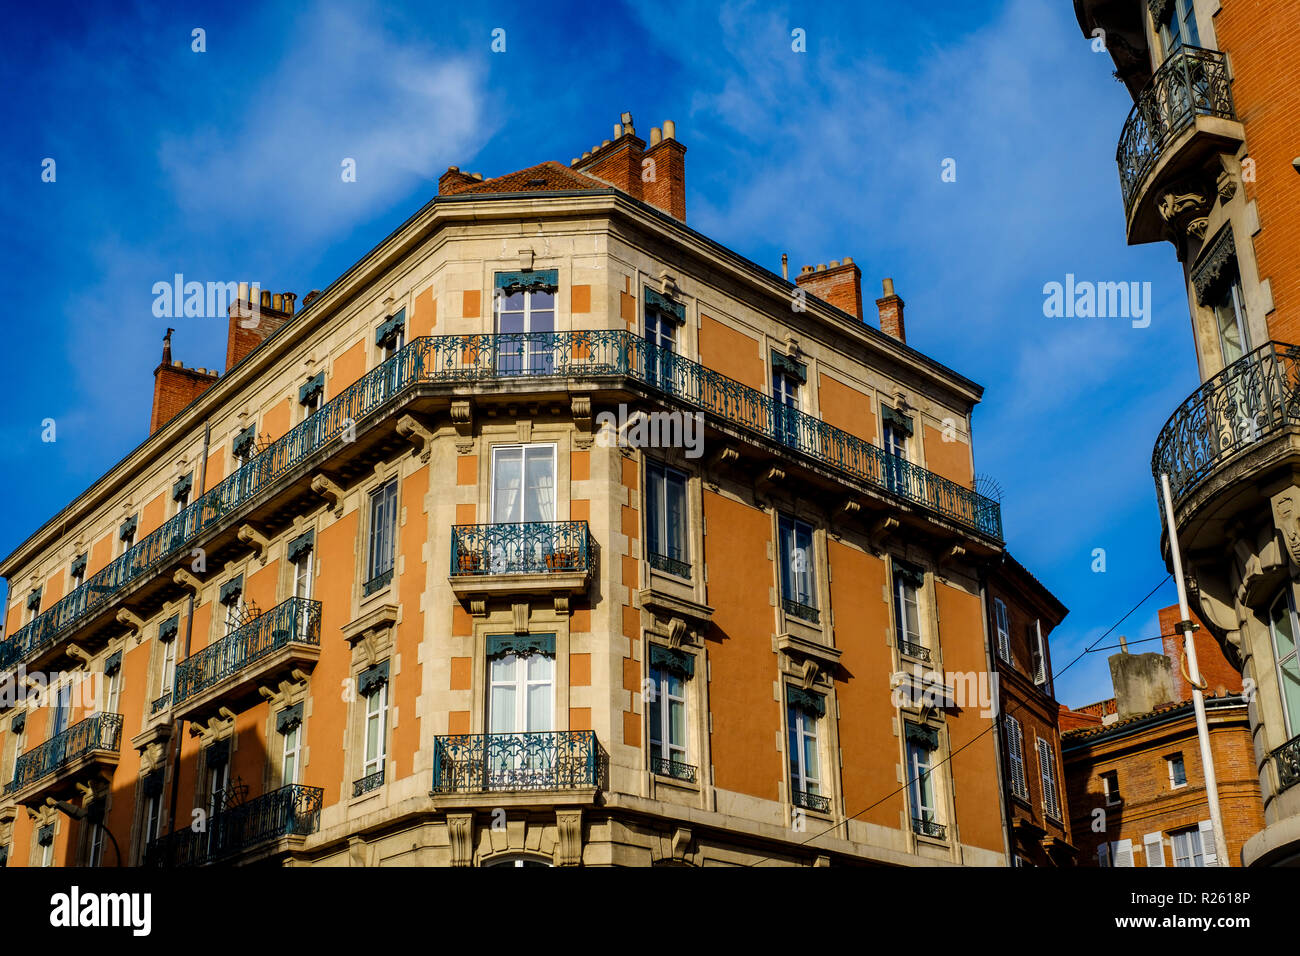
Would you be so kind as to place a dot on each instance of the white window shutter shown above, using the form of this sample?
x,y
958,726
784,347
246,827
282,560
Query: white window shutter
x,y
1103,854
1016,746
1124,853
1207,843
1154,846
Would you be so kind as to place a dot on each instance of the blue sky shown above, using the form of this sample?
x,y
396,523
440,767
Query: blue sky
x,y
225,164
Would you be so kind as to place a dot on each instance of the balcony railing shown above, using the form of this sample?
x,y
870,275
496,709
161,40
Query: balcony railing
x,y
1286,759
918,651
543,760
1253,398
478,358
295,621
810,801
928,828
664,767
290,811
371,781
662,562
535,547
1192,82
804,612
160,704
96,732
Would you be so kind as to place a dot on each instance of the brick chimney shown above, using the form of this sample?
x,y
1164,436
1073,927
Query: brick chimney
x,y
840,285
175,386
891,313
656,175
454,181
252,323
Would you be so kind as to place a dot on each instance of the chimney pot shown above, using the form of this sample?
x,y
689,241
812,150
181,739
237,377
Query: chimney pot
x,y
890,307
848,260
835,263
670,129
477,176
821,267
655,136
277,302
889,286
626,117
618,130
243,291
604,143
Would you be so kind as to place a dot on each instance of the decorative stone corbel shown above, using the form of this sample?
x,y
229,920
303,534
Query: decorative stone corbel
x,y
130,620
667,283
951,555
79,653
580,405
287,692
478,607
259,542
676,632
460,833
881,531
526,259
462,419
725,458
809,673
520,610
1185,206
417,435
1286,518
186,580
326,487
371,634
772,477
681,844
848,508
1226,182
568,850
561,605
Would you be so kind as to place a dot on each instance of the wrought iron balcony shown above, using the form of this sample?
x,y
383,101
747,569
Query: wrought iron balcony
x,y
97,735
1192,82
242,652
1286,760
672,768
804,612
466,359
371,781
918,651
542,760
378,582
292,811
161,704
810,801
928,828
662,562
535,547
1251,400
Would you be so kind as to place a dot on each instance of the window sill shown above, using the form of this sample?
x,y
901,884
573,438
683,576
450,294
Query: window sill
x,y
675,783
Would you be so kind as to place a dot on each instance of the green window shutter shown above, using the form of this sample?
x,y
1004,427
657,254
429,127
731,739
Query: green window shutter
x,y
315,386
666,307
168,629
34,599
79,565
923,735
288,718
114,663
897,419
387,332
231,590
791,368
182,486
806,701
534,280
300,546
128,527
671,660
243,444
521,645
372,678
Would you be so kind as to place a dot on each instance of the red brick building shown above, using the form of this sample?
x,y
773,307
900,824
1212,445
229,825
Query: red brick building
x,y
1133,771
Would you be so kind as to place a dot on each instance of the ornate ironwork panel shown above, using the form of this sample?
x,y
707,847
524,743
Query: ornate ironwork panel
x,y
96,732
1287,761
296,621
543,760
661,562
810,801
918,651
804,612
290,811
929,828
672,768
536,547
372,781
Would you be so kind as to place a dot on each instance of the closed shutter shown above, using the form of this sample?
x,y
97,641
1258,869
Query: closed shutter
x,y
1004,629
1154,846
1016,751
1208,847
1047,772
1103,854
1123,852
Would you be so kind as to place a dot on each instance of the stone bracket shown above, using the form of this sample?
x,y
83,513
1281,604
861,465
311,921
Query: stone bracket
x,y
460,831
187,580
130,620
417,435
568,851
259,542
462,419
580,406
326,487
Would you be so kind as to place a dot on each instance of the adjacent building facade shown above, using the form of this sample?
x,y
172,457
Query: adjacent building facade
x,y
552,532
1207,161
1133,764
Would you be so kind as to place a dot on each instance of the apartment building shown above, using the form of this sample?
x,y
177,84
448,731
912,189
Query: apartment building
x,y
1133,766
1208,162
1022,615
553,532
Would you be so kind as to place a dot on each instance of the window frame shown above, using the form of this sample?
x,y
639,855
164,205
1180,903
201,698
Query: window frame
x,y
789,590
658,525
1181,763
523,448
661,679
381,528
1002,625
1049,779
804,727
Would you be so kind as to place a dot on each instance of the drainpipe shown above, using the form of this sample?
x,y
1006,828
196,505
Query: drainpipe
x,y
189,630
996,687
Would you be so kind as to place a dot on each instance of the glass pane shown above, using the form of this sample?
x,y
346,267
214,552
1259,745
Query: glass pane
x,y
785,541
501,719
1291,692
676,517
507,476
677,723
541,667
656,718
539,505
539,707
653,496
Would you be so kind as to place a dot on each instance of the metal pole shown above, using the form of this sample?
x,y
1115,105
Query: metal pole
x,y
1194,671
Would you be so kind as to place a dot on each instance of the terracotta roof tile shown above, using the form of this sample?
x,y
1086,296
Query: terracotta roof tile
x,y
543,177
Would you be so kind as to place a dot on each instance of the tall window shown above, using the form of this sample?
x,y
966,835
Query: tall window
x,y
113,689
1230,317
1003,629
1177,771
1188,849
376,730
62,709
895,430
1282,624
525,318
383,533
1047,769
151,817
45,837
77,573
1016,757
803,716
95,855
666,520
521,692
291,746
787,377
302,573
922,742
1177,26
1110,788
391,335
167,672
669,671
523,483
798,582
907,615
217,762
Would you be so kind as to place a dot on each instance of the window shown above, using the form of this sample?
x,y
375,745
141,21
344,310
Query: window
x,y
1047,770
788,375
922,742
77,573
181,492
1177,26
525,318
521,692
1016,756
1003,629
1282,624
666,520
383,530
302,574
1041,676
312,395
907,615
45,839
95,853
126,533
1230,318
373,684
798,596
152,810
1177,771
1188,850
1110,787
391,335
167,672
662,316
33,604
217,761
1153,844
804,711
113,689
895,430
290,754
62,710
529,469
669,671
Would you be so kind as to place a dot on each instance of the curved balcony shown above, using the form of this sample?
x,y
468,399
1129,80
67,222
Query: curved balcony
x,y
616,356
228,672
505,763
86,752
544,557
263,826
1226,429
1182,116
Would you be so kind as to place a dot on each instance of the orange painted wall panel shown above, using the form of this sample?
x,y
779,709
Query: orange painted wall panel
x,y
425,315
276,421
348,367
732,353
406,684
951,459
152,516
847,408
